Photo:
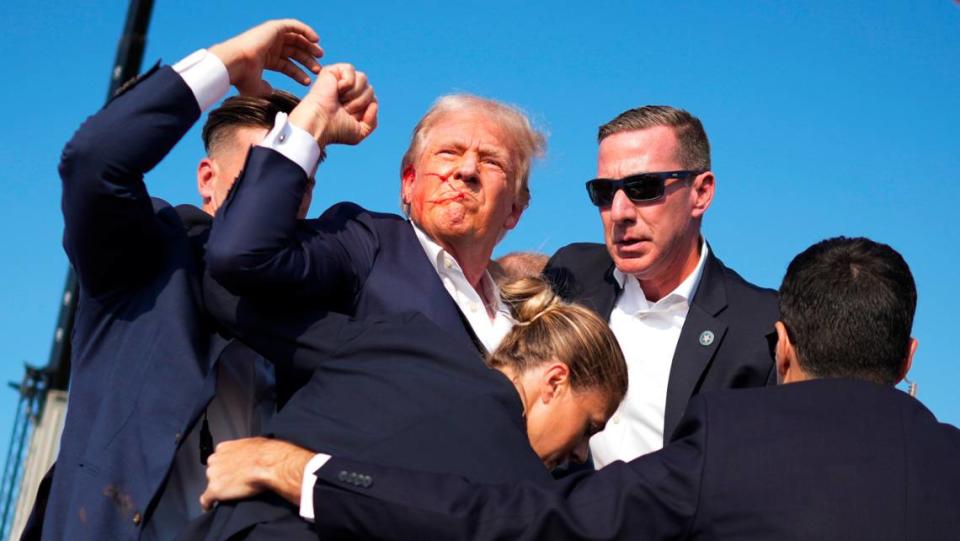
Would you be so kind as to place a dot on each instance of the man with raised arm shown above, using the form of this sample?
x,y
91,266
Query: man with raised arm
x,y
464,184
144,357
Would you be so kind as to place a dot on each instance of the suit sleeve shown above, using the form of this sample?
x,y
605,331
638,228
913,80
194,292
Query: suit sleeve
x,y
286,334
258,244
111,234
653,497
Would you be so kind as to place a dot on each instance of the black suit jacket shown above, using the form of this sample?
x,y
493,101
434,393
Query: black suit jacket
x,y
394,389
739,314
142,351
824,460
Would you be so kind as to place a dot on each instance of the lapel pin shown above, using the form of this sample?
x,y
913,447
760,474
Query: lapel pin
x,y
706,338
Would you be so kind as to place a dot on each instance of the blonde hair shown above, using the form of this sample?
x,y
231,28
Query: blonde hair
x,y
548,328
525,142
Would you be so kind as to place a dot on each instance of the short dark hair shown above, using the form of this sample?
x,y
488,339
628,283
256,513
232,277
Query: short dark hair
x,y
244,111
692,139
848,306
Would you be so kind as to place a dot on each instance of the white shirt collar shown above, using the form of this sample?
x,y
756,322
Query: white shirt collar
x,y
442,261
684,291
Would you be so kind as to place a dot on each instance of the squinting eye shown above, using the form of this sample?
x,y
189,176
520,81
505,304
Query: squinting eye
x,y
493,163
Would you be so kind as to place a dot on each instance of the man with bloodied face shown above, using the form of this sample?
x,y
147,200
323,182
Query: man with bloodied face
x,y
464,184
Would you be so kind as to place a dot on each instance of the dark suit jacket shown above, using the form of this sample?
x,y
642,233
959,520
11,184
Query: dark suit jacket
x,y
824,460
375,393
739,314
350,260
142,352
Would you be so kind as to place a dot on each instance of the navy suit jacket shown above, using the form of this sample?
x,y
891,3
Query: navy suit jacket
x,y
739,314
142,351
825,460
394,389
350,260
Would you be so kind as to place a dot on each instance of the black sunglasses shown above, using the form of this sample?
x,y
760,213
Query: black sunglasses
x,y
638,188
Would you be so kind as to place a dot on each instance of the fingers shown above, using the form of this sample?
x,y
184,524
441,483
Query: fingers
x,y
291,70
207,501
370,116
346,76
359,103
302,57
355,90
297,41
297,27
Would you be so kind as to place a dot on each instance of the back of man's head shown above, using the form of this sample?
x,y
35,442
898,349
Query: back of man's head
x,y
848,305
694,147
244,111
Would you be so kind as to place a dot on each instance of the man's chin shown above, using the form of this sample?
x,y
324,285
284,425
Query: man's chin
x,y
631,264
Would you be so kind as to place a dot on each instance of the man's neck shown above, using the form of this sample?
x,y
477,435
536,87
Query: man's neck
x,y
473,257
658,287
473,263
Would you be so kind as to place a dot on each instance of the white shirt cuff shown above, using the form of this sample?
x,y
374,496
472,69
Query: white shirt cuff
x,y
206,76
295,143
309,480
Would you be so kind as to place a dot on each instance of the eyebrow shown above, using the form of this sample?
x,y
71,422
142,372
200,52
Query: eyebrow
x,y
485,149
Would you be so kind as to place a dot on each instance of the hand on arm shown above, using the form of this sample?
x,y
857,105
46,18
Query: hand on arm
x,y
242,468
273,45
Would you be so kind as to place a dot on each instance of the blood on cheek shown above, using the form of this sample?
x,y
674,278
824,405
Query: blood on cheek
x,y
448,192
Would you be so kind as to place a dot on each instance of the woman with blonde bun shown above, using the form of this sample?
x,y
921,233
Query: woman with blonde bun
x,y
566,365
398,391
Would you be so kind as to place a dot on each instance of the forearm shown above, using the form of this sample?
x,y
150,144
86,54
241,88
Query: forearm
x,y
253,241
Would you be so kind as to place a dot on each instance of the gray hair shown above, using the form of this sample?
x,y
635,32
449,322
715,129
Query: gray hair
x,y
525,142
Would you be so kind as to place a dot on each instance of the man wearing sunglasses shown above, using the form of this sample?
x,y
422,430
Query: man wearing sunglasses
x,y
686,322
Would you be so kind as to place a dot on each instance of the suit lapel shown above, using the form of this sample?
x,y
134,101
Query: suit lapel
x,y
436,302
700,337
600,295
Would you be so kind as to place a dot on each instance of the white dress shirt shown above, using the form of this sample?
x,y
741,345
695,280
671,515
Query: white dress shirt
x,y
490,329
648,334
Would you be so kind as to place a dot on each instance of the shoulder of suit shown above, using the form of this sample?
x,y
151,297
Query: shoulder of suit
x,y
575,265
740,291
348,210
134,81
583,260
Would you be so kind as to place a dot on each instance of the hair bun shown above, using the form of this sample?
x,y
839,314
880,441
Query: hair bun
x,y
528,298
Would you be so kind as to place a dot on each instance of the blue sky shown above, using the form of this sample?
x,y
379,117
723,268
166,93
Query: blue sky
x,y
826,118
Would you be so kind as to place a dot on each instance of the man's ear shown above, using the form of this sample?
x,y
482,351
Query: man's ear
x,y
908,361
406,183
704,186
785,355
554,380
206,174
513,218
